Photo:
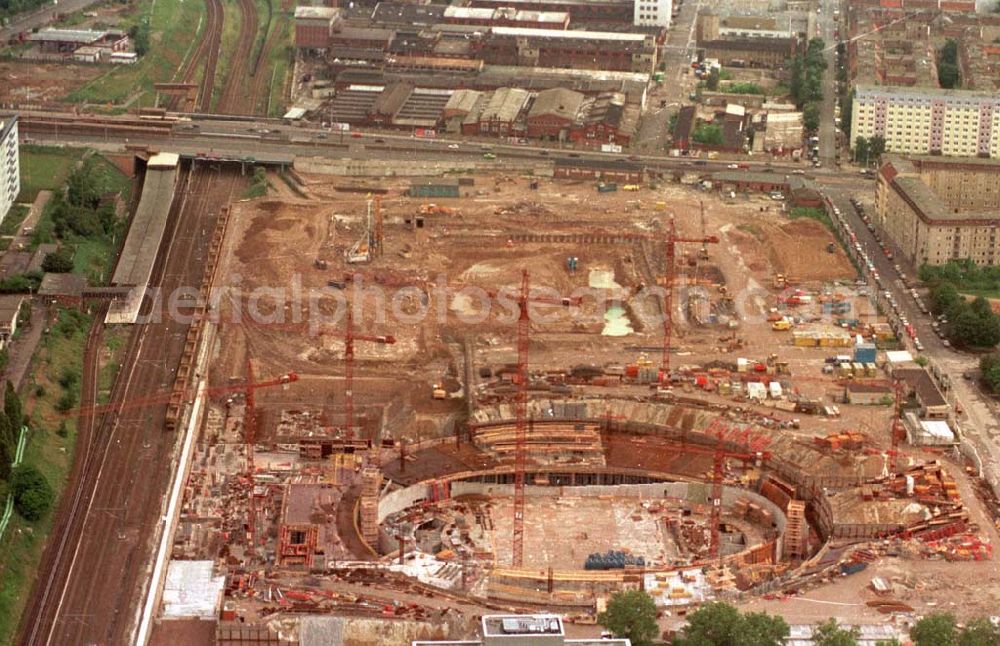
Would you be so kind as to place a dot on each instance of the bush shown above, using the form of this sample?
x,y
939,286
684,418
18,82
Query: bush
x,y
33,495
66,402
59,261
707,134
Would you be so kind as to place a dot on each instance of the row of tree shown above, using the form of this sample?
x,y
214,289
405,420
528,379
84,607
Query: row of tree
x,y
867,150
969,325
33,496
806,82
632,614
949,75
989,367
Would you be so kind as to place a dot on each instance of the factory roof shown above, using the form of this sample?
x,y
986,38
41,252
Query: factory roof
x,y
504,13
463,100
505,104
740,177
408,14
316,13
606,164
761,44
81,36
568,34
922,384
558,102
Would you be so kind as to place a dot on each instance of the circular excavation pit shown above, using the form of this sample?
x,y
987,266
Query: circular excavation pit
x,y
595,527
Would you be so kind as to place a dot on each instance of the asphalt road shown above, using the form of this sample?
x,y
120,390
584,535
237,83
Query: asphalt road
x,y
42,16
980,420
827,129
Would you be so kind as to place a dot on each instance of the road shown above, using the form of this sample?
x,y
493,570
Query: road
x,y
653,136
827,129
97,563
42,16
980,422
239,138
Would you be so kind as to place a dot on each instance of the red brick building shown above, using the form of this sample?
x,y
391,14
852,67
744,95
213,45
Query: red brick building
x,y
313,26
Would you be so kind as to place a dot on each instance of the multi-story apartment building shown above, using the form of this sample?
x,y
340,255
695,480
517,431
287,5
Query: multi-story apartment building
x,y
922,121
652,13
10,165
938,209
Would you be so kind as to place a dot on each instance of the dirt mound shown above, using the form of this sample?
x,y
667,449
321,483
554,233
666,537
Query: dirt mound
x,y
799,248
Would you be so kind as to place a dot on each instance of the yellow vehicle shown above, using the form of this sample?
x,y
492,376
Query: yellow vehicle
x,y
631,187
782,325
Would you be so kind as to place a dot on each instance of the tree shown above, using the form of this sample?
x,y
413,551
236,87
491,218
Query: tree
x,y
12,407
936,629
713,79
6,450
862,150
829,633
945,299
631,614
59,261
876,146
720,624
33,494
989,366
708,134
947,65
810,116
846,111
979,632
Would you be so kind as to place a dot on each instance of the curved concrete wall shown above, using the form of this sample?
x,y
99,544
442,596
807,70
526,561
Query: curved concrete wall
x,y
693,492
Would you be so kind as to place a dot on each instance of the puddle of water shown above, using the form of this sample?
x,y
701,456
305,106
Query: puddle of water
x,y
616,323
602,279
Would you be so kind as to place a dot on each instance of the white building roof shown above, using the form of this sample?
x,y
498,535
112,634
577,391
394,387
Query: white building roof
x,y
575,35
938,429
898,356
316,13
191,590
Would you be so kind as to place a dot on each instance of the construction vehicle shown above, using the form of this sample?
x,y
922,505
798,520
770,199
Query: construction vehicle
x,y
631,187
782,325
606,187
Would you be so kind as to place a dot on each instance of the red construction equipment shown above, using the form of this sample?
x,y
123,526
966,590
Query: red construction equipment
x,y
668,291
896,430
524,300
249,436
349,338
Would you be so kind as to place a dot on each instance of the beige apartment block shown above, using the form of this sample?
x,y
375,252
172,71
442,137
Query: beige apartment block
x,y
924,121
938,209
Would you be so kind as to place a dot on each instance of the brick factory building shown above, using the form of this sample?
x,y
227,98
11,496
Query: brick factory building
x,y
580,11
938,209
596,50
313,26
505,17
732,48
599,169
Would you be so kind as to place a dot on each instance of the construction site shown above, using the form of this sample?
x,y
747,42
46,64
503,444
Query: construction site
x,y
419,400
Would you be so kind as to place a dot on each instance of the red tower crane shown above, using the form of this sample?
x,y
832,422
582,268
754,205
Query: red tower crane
x,y
524,300
754,446
896,430
350,337
672,240
249,437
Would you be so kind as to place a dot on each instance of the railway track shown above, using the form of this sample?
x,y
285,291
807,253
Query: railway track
x,y
234,97
259,76
207,50
96,573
